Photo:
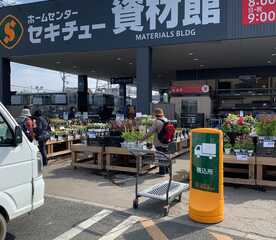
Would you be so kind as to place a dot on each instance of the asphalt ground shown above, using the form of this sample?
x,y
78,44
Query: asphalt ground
x,y
61,219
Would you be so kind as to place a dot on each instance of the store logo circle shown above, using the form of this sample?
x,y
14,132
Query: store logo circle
x,y
11,32
205,88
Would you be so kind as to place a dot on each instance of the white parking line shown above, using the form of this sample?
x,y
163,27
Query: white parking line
x,y
120,229
84,225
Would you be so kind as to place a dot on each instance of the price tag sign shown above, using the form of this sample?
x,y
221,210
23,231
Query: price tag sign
x,y
259,11
52,138
70,138
92,135
242,157
269,144
120,117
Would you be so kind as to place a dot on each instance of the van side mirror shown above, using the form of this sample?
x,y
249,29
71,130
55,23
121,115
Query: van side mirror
x,y
18,136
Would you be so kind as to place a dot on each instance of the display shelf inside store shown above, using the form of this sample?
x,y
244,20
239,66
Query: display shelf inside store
x,y
246,109
232,93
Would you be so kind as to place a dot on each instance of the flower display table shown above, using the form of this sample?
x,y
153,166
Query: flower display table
x,y
87,156
239,171
266,171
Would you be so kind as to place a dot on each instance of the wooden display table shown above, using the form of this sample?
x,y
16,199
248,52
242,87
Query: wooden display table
x,y
59,148
240,171
120,159
87,156
266,171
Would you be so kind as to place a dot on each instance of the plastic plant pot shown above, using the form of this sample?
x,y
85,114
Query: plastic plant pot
x,y
227,151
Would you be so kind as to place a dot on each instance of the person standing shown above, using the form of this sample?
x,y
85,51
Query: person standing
x,y
163,133
42,134
26,123
72,113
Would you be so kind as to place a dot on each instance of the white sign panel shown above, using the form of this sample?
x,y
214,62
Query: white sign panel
x,y
242,157
269,144
60,99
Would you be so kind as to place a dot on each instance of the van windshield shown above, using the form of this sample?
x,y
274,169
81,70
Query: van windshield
x,y
6,136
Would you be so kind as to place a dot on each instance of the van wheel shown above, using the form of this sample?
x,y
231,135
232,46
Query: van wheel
x,y
3,227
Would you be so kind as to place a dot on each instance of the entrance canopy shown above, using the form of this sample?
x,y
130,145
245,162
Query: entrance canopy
x,y
167,60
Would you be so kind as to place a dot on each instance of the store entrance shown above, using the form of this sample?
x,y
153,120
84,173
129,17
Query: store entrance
x,y
216,93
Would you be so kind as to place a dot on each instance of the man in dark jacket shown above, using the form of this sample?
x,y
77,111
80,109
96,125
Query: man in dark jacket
x,y
42,134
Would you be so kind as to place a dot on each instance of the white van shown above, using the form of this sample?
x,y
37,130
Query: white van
x,y
21,181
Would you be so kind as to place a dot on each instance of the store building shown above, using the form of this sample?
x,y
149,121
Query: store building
x,y
181,45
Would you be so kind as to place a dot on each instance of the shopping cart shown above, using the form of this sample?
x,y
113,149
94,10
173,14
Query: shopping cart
x,y
168,190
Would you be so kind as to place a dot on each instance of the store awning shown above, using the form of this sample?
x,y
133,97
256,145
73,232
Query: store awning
x,y
167,60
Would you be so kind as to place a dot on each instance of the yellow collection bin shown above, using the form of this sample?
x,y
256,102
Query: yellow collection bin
x,y
206,200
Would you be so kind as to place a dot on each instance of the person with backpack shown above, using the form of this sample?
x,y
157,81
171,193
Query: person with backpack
x,y
26,123
163,132
42,134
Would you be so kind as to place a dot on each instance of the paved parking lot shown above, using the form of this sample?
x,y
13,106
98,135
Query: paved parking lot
x,y
63,220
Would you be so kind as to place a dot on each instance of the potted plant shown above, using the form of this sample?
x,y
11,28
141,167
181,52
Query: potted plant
x,y
235,126
243,145
227,145
266,127
131,139
227,148
237,147
266,132
249,146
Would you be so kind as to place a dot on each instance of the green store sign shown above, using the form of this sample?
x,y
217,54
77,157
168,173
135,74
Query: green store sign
x,y
205,162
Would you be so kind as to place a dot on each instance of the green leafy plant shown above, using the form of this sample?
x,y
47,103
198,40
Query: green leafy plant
x,y
132,136
245,129
249,145
145,121
249,119
246,144
237,144
227,146
243,145
264,128
226,142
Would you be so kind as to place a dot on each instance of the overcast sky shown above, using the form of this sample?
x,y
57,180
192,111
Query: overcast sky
x,y
27,77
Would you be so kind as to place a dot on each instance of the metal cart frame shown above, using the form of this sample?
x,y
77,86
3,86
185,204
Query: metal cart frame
x,y
166,191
